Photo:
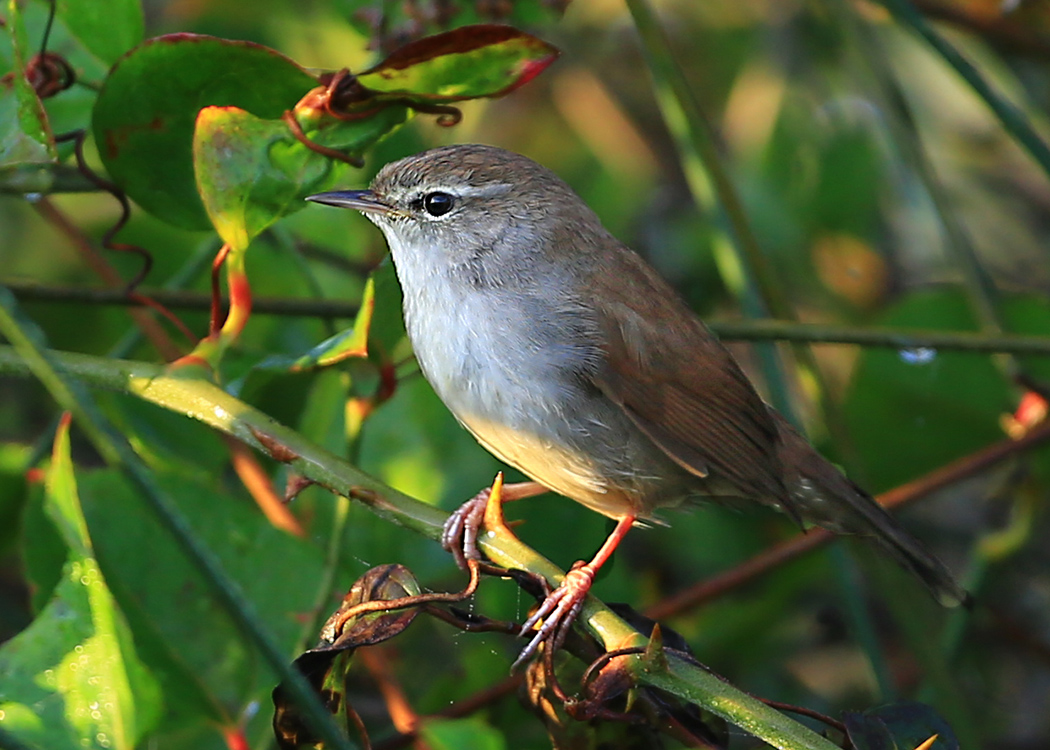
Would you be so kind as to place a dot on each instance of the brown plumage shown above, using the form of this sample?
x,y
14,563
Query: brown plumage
x,y
567,356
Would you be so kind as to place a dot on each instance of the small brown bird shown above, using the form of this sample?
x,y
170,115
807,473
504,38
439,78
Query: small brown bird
x,y
568,357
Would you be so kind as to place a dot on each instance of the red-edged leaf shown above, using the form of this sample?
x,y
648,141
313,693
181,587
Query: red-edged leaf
x,y
473,61
144,118
242,188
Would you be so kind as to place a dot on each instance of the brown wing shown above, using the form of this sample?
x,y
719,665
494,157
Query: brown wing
x,y
681,387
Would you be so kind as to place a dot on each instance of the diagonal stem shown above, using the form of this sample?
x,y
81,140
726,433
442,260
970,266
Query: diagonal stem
x,y
211,405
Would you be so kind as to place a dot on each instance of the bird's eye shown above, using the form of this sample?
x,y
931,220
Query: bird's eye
x,y
437,204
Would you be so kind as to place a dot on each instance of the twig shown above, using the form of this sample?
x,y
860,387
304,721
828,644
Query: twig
x,y
746,330
149,326
773,557
894,338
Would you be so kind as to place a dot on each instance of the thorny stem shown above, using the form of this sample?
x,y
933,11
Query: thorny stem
x,y
209,404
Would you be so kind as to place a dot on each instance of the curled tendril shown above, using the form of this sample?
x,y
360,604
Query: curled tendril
x,y
49,74
293,125
78,137
447,114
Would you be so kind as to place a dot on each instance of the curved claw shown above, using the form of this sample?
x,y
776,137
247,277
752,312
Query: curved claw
x,y
560,608
460,533
558,611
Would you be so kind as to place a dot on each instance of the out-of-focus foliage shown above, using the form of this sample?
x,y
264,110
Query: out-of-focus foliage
x,y
821,110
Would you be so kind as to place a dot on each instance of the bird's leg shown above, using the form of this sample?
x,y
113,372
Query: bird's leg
x,y
460,534
559,610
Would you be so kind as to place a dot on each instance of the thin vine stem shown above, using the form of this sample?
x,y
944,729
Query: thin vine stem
x,y
702,141
1012,118
904,339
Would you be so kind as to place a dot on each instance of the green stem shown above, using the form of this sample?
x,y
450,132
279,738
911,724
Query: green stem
x,y
1012,117
209,404
980,290
893,338
27,348
701,141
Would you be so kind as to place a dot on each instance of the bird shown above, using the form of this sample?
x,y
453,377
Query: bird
x,y
567,356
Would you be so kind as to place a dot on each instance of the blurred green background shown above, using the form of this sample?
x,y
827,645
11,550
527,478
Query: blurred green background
x,y
867,168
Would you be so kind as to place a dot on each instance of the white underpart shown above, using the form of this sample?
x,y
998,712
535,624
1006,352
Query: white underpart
x,y
474,361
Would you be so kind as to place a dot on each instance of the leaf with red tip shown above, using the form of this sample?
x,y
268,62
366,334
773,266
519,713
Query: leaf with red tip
x,y
485,60
243,191
250,171
145,115
347,344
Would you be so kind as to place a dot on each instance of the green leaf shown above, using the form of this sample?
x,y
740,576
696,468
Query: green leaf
x,y
352,342
14,493
25,136
460,734
251,171
486,60
183,629
107,29
910,412
243,190
900,726
144,118
73,678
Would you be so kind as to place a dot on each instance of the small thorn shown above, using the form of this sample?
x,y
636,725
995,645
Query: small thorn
x,y
654,650
928,743
494,505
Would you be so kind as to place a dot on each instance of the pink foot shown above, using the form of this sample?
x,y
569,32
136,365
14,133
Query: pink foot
x,y
558,611
460,533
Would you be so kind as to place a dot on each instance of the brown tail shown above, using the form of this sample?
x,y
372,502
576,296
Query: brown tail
x,y
822,494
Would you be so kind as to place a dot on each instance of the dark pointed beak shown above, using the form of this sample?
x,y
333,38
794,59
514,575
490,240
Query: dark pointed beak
x,y
360,200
